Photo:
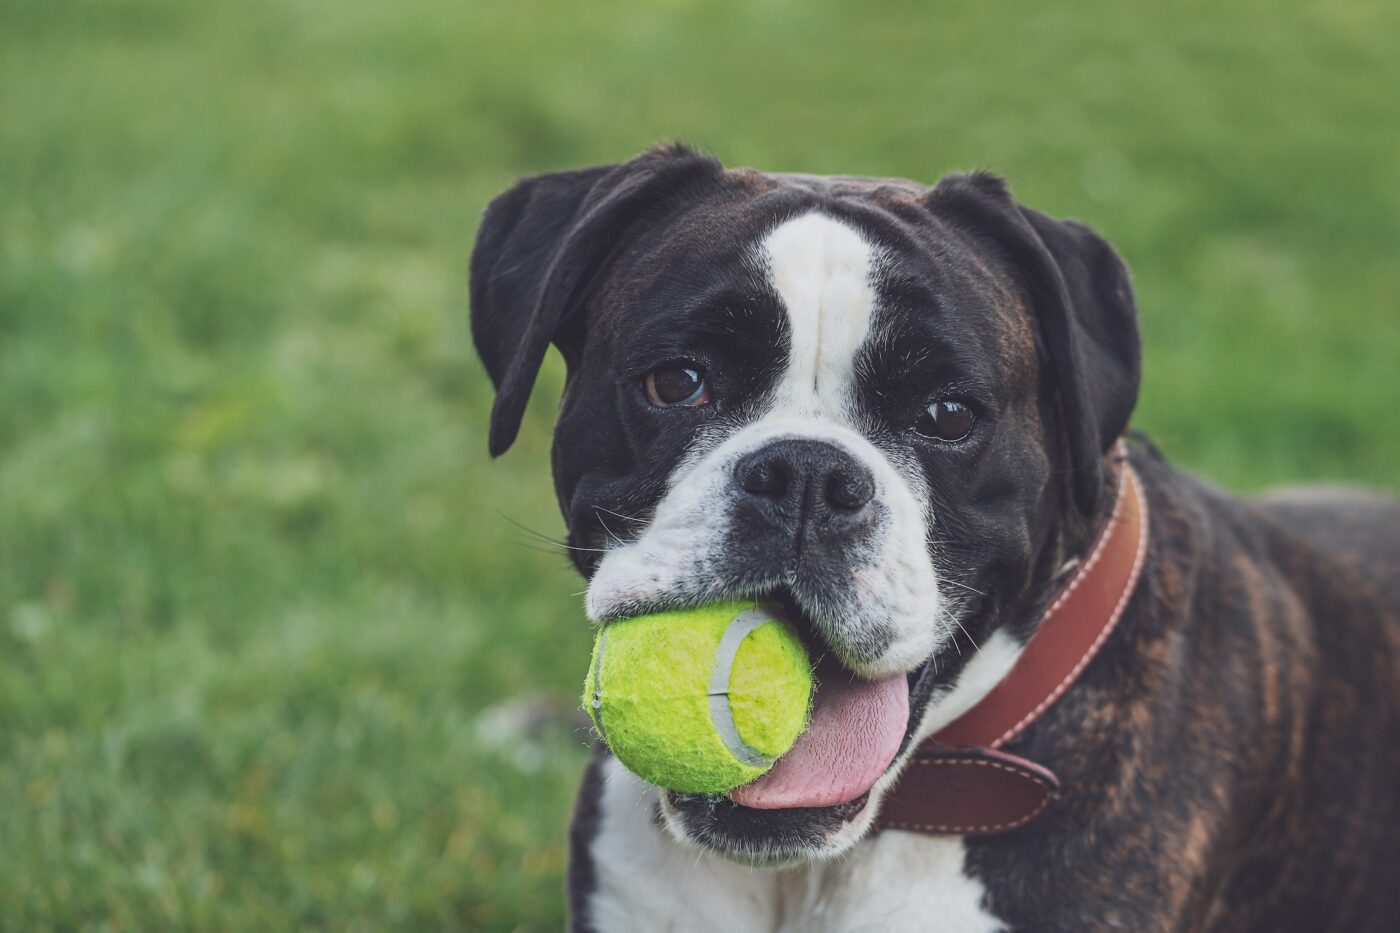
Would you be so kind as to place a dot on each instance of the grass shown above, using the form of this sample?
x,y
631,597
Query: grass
x,y
270,644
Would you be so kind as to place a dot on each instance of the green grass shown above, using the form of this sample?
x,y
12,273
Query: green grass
x,y
259,594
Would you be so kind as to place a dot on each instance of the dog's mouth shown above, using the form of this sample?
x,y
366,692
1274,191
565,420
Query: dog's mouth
x,y
854,733
823,783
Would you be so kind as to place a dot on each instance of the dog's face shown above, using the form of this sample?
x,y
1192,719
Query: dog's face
x,y
882,407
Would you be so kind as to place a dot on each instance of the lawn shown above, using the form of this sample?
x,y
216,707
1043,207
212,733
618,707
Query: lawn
x,y
276,646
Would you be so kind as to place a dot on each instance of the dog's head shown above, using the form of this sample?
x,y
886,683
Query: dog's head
x,y
884,407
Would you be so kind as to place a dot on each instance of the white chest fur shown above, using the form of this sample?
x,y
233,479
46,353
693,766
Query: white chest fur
x,y
646,881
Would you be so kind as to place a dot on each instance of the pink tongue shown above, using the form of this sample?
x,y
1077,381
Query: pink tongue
x,y
855,731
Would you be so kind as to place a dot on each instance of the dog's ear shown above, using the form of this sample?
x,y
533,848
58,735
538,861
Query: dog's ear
x,y
539,252
1082,299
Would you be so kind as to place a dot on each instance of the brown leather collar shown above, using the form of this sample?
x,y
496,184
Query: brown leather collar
x,y
958,781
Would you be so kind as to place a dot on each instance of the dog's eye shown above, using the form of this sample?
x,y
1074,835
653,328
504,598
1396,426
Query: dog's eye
x,y
677,384
947,419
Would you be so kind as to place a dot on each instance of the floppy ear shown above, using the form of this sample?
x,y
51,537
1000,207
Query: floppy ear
x,y
1082,299
540,250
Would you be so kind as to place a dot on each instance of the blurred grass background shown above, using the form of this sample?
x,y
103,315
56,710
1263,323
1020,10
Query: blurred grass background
x,y
269,642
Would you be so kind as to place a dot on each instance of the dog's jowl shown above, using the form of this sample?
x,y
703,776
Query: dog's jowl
x,y
897,414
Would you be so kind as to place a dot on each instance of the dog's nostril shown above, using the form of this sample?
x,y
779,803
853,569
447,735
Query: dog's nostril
x,y
848,491
806,479
766,476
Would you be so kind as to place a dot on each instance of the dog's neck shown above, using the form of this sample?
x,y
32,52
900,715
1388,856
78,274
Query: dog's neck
x,y
959,780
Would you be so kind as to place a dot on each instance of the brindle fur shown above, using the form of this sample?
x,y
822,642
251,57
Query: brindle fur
x,y
1230,761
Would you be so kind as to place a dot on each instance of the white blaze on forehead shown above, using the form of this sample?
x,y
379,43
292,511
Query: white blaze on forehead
x,y
822,270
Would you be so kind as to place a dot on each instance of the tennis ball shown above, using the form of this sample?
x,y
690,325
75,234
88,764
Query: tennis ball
x,y
700,700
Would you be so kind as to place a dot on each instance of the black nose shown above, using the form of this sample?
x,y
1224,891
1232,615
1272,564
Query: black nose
x,y
805,481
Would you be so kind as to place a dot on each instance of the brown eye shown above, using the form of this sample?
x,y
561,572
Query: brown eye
x,y
947,420
677,384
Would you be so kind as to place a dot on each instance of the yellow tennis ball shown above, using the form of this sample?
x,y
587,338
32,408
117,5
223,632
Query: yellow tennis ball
x,y
699,700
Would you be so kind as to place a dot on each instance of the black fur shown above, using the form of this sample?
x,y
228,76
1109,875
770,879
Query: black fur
x,y
540,247
1082,300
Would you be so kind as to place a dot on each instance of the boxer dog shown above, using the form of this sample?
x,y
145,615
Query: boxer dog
x,y
891,410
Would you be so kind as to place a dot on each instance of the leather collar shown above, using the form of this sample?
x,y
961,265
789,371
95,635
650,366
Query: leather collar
x,y
959,781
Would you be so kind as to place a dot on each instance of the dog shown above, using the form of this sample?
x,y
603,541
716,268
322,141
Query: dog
x,y
896,412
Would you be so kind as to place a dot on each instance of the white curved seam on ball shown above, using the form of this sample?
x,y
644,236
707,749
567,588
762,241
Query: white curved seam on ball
x,y
721,714
598,685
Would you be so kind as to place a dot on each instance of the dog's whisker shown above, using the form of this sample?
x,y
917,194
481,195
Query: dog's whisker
x,y
554,547
630,518
528,530
536,548
969,637
609,531
965,587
